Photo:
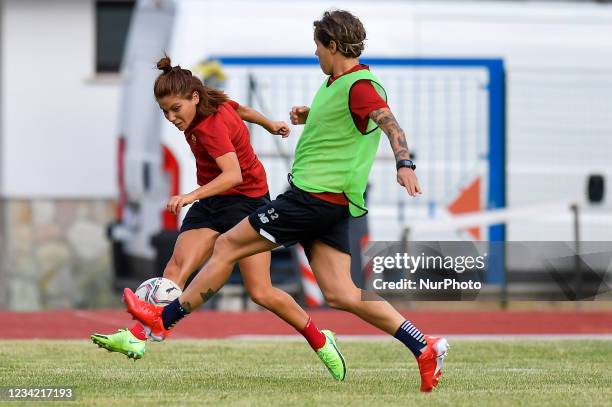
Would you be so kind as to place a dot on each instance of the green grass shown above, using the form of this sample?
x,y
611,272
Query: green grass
x,y
199,373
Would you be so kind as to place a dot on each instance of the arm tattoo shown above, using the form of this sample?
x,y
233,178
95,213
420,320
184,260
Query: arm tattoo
x,y
387,122
208,295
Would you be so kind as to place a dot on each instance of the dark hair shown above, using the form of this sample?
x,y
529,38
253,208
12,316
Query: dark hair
x,y
344,29
176,81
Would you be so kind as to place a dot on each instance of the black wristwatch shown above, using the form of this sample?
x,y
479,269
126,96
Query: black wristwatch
x,y
405,163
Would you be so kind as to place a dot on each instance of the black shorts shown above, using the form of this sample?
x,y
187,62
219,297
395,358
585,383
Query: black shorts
x,y
298,217
222,212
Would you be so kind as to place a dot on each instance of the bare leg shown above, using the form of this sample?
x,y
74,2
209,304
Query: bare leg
x,y
332,269
256,275
192,249
237,243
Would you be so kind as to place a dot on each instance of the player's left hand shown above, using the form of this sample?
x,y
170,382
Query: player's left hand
x,y
175,203
407,178
279,128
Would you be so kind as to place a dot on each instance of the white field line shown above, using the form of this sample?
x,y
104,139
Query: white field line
x,y
388,338
375,338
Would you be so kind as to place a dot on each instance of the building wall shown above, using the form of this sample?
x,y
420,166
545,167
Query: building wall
x,y
59,127
57,158
3,278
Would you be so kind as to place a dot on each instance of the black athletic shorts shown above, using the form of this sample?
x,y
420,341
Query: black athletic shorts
x,y
298,217
221,212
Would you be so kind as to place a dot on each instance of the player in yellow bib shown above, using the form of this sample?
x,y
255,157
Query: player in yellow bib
x,y
332,162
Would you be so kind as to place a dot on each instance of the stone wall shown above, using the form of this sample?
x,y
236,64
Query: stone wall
x,y
56,254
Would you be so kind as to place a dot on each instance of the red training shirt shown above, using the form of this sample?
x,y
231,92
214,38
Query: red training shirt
x,y
219,134
363,100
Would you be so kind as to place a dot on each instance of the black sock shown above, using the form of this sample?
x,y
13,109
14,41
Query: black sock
x,y
172,313
410,336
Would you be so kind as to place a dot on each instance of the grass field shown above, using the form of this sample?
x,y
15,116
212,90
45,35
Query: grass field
x,y
196,373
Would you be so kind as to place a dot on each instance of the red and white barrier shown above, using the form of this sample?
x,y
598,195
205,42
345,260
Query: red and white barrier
x,y
312,292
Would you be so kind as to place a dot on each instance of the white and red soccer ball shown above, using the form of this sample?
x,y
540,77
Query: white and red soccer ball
x,y
158,291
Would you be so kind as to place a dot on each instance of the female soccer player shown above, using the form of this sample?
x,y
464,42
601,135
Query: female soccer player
x,y
232,185
332,162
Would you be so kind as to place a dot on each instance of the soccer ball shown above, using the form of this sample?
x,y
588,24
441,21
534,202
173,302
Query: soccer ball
x,y
158,291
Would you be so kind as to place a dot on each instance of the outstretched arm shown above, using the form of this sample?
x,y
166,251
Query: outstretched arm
x,y
386,121
251,115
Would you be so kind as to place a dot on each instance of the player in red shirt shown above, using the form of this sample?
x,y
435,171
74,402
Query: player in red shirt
x,y
232,185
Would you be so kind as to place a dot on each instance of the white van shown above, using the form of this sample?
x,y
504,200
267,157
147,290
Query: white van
x,y
556,62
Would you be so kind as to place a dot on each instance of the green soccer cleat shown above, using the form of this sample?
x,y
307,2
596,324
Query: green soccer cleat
x,y
123,342
332,358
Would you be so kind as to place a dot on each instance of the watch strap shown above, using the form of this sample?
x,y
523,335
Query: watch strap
x,y
405,163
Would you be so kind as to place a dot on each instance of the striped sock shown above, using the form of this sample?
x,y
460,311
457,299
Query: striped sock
x,y
410,336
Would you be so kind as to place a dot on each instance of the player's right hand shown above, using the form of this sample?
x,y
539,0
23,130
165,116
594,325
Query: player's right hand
x,y
176,202
279,128
298,114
